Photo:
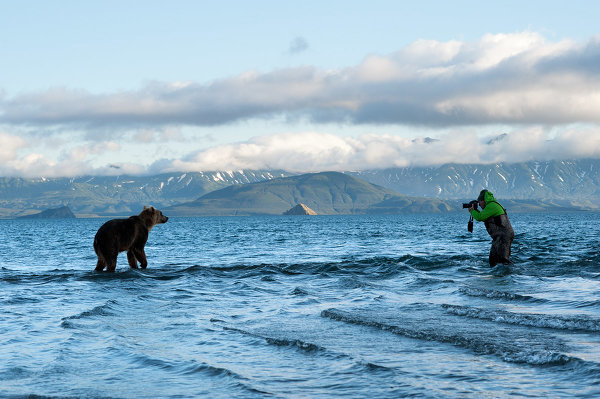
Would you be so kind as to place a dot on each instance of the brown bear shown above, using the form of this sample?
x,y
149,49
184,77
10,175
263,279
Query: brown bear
x,y
129,235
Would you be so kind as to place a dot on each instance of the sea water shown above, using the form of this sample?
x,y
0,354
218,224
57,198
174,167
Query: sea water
x,y
303,307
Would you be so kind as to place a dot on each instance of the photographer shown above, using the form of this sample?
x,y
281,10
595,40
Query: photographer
x,y
497,224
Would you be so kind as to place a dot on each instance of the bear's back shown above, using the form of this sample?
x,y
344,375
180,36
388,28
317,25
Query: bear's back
x,y
130,227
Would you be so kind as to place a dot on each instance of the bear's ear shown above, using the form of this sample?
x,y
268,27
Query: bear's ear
x,y
145,207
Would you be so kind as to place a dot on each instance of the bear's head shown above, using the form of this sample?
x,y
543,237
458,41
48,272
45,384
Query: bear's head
x,y
152,216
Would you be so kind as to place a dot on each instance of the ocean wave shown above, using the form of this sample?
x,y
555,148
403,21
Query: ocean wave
x,y
559,322
100,310
15,373
295,343
493,294
378,267
514,351
41,277
123,274
64,276
586,304
194,367
430,263
212,371
308,348
300,292
20,300
374,268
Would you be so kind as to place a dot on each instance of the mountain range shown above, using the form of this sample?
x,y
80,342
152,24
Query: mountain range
x,y
116,195
531,185
577,180
327,193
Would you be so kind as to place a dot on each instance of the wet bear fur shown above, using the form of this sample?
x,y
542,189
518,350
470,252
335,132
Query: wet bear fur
x,y
129,235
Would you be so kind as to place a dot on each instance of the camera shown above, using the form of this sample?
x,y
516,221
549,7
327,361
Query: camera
x,y
474,204
468,205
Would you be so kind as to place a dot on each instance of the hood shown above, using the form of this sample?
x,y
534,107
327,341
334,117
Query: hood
x,y
486,195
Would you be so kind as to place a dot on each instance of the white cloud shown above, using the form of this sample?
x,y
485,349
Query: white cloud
x,y
504,78
82,152
312,151
544,94
318,151
10,145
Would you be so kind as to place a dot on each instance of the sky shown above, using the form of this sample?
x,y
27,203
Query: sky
x,y
130,87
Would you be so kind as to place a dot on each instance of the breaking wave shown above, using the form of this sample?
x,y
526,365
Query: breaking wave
x,y
509,351
558,322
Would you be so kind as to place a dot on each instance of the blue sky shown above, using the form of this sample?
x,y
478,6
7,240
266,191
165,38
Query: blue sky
x,y
148,87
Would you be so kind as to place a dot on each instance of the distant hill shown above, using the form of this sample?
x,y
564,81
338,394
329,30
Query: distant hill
x,y
57,213
327,193
116,195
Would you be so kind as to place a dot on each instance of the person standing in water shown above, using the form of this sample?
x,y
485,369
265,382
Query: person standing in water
x,y
497,225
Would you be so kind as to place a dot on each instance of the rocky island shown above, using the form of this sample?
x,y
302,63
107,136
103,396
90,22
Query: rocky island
x,y
300,209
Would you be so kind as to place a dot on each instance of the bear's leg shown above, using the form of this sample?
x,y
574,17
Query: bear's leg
x,y
111,266
141,256
100,265
132,260
111,261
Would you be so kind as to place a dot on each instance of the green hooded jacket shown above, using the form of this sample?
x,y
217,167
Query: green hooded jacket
x,y
492,208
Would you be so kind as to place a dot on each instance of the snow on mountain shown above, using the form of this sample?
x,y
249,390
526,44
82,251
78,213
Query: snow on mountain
x,y
557,180
574,182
